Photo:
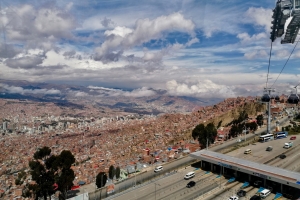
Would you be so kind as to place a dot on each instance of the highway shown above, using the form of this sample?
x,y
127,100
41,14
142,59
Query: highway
x,y
211,186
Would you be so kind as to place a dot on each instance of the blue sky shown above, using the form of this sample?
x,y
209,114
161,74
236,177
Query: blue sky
x,y
195,48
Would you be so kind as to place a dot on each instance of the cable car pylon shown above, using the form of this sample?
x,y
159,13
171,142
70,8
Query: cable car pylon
x,y
266,98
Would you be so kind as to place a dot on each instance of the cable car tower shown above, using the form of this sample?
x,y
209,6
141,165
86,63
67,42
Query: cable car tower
x,y
283,10
266,98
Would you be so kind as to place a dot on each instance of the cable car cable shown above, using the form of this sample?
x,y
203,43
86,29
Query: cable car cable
x,y
286,62
269,65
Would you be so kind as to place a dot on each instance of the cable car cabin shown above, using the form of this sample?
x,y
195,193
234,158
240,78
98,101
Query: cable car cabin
x,y
293,99
266,98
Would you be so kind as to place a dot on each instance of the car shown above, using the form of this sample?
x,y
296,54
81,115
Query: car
x,y
255,197
191,184
241,193
282,156
257,183
269,148
189,175
293,138
158,168
233,198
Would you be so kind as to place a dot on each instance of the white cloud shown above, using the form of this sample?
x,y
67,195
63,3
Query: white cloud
x,y
20,90
256,54
204,88
119,31
38,27
260,17
144,31
139,92
247,39
81,94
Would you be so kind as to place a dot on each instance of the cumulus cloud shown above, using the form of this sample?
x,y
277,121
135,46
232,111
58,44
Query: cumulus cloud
x,y
247,39
139,92
28,24
20,90
81,94
256,54
260,17
122,38
205,88
27,62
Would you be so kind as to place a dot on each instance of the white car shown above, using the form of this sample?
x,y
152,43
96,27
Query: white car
x,y
158,168
233,198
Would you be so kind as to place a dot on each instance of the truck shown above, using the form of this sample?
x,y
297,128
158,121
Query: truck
x,y
288,145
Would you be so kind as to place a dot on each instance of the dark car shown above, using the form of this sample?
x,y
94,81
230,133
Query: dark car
x,y
191,184
282,156
255,197
269,148
241,193
257,183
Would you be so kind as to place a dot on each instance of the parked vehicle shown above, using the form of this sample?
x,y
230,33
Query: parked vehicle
x,y
233,198
263,194
241,193
288,145
258,183
255,197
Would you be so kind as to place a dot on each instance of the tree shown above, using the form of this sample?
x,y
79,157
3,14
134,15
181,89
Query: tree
x,y
260,120
205,134
252,126
101,179
118,172
46,170
111,172
243,116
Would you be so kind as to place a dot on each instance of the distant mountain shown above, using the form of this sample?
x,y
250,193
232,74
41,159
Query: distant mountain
x,y
141,101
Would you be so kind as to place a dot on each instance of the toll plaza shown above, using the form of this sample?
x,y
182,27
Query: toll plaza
x,y
259,175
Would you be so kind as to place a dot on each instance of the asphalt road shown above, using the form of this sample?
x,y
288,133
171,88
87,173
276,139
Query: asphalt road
x,y
162,182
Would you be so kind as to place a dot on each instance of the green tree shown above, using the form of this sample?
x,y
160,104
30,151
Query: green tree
x,y
47,169
205,134
111,172
260,120
118,172
243,116
101,179
252,126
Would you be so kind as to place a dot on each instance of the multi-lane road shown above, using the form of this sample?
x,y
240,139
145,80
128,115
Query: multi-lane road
x,y
212,186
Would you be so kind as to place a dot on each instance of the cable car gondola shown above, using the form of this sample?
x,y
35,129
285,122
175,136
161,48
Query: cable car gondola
x,y
293,99
266,98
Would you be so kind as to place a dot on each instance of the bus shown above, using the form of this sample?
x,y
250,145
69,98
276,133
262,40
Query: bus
x,y
282,134
266,138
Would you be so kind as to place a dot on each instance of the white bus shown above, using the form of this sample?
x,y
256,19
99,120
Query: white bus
x,y
266,138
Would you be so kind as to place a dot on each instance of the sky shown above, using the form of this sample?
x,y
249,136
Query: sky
x,y
197,48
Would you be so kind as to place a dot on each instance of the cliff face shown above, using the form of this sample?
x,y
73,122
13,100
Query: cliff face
x,y
251,108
